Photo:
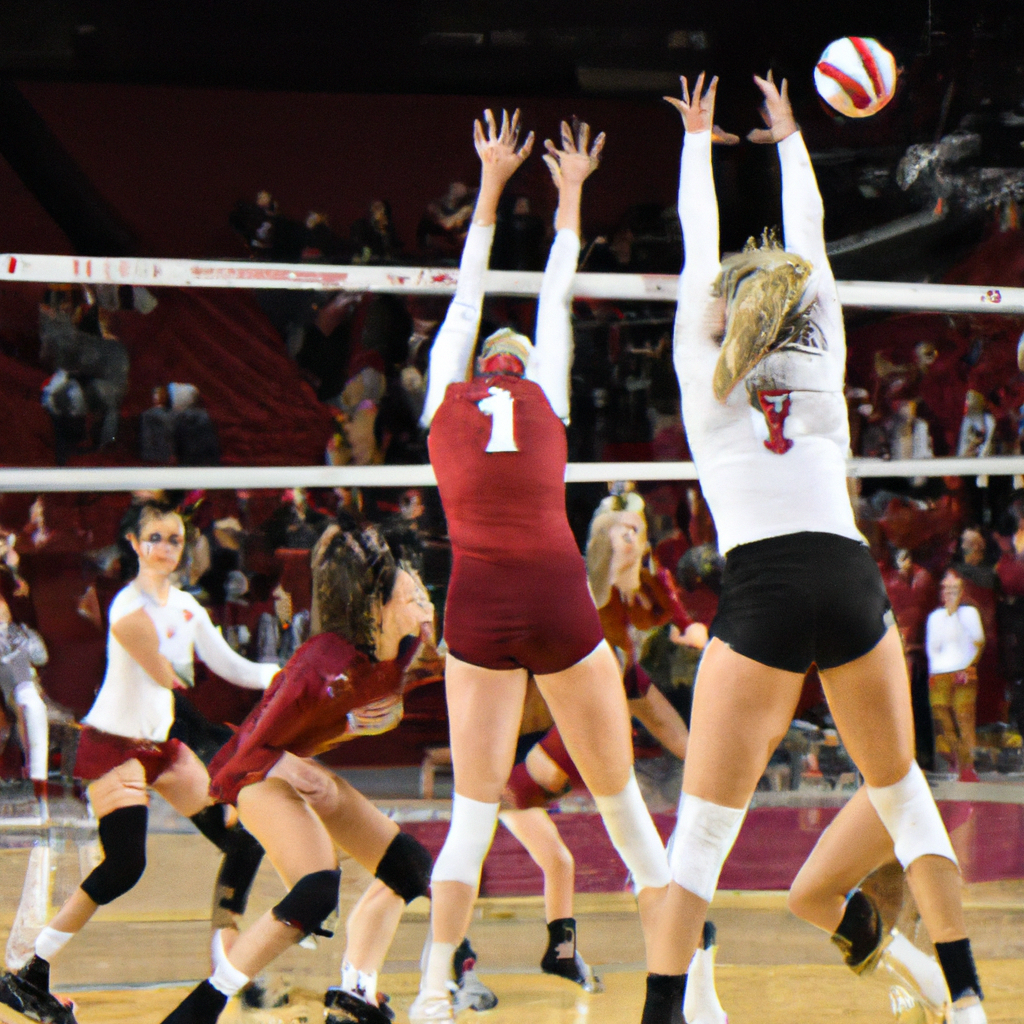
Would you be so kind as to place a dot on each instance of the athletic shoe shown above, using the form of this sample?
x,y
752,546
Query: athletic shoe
x,y
468,991
576,970
917,987
203,1005
700,1004
973,1014
431,1008
34,1002
345,1008
258,995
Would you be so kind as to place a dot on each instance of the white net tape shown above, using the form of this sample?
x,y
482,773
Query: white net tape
x,y
441,281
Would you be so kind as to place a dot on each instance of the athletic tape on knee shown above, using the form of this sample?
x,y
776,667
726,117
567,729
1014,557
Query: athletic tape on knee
x,y
704,835
310,902
469,838
908,812
405,867
226,978
632,832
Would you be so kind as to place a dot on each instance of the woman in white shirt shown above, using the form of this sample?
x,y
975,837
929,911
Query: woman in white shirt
x,y
954,639
760,354
124,749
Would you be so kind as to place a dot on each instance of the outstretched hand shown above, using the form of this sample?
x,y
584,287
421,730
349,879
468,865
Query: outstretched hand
x,y
698,111
577,159
497,148
776,111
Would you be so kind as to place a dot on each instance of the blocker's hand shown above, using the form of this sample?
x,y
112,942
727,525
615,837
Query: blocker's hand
x,y
776,112
698,111
497,148
577,159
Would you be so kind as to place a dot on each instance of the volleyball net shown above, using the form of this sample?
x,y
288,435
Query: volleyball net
x,y
440,281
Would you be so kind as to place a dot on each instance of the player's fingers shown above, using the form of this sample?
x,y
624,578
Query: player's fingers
x,y
785,89
583,137
492,128
598,148
686,89
712,89
552,165
568,142
527,147
761,136
698,87
503,136
478,134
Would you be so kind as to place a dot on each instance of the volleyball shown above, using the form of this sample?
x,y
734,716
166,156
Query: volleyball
x,y
856,76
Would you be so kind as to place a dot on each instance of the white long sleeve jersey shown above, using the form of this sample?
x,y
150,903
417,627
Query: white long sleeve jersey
x,y
130,702
953,641
551,359
772,457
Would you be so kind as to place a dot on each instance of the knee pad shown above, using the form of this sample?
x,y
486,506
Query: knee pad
x,y
243,855
123,838
405,867
469,838
704,835
632,832
908,812
310,902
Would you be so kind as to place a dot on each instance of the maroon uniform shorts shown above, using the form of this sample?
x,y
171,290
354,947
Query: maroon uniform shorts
x,y
100,752
536,615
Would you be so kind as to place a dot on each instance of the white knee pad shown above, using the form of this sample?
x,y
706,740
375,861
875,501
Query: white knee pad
x,y
634,836
38,728
469,838
704,835
909,814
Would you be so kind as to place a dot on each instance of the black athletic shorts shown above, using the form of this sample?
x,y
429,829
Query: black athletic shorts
x,y
802,599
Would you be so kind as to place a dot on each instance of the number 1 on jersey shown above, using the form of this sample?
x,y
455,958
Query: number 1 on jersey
x,y
498,405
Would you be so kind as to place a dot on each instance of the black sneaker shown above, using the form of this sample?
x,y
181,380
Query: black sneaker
x,y
345,1008
35,1003
203,1005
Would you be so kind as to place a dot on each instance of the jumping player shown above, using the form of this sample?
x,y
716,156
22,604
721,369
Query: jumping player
x,y
760,354
518,600
124,750
347,680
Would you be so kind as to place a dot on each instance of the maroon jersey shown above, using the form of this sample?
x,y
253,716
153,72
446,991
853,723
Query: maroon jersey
x,y
518,594
501,505
305,709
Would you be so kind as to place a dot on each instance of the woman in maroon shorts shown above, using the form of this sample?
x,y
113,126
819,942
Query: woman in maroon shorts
x,y
124,749
346,681
518,600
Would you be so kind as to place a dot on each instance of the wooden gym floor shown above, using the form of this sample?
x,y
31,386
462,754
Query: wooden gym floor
x,y
140,955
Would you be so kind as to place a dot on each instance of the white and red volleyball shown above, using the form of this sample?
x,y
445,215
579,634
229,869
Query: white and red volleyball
x,y
856,76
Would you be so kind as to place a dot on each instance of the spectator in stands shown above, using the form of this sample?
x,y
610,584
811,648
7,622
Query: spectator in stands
x,y
195,436
255,223
519,242
156,429
977,429
907,433
442,229
912,593
280,634
374,238
320,243
611,254
1010,570
296,523
954,639
64,400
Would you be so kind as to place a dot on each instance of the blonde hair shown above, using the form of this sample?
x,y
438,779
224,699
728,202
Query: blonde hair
x,y
764,288
600,553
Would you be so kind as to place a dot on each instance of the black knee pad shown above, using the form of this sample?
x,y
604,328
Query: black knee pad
x,y
242,857
860,932
310,902
405,867
123,838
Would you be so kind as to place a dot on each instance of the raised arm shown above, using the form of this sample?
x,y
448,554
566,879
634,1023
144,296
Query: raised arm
x,y
551,359
452,351
698,207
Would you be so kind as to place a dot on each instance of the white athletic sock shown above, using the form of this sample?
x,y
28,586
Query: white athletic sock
x,y
349,977
226,978
439,967
367,987
49,942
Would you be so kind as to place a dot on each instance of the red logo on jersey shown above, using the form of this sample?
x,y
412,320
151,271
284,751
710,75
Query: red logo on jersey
x,y
775,406
188,615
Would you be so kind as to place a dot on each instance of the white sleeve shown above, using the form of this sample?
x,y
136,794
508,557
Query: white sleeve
x,y
698,217
453,347
218,655
932,644
551,360
970,619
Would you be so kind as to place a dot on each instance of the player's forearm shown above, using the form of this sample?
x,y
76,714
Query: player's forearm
x,y
803,213
567,216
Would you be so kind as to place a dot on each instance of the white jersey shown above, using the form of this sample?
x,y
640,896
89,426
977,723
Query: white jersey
x,y
132,703
772,457
551,359
953,641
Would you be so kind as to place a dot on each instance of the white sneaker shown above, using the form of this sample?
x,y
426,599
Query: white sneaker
x,y
431,1007
472,994
972,1014
700,1004
917,986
